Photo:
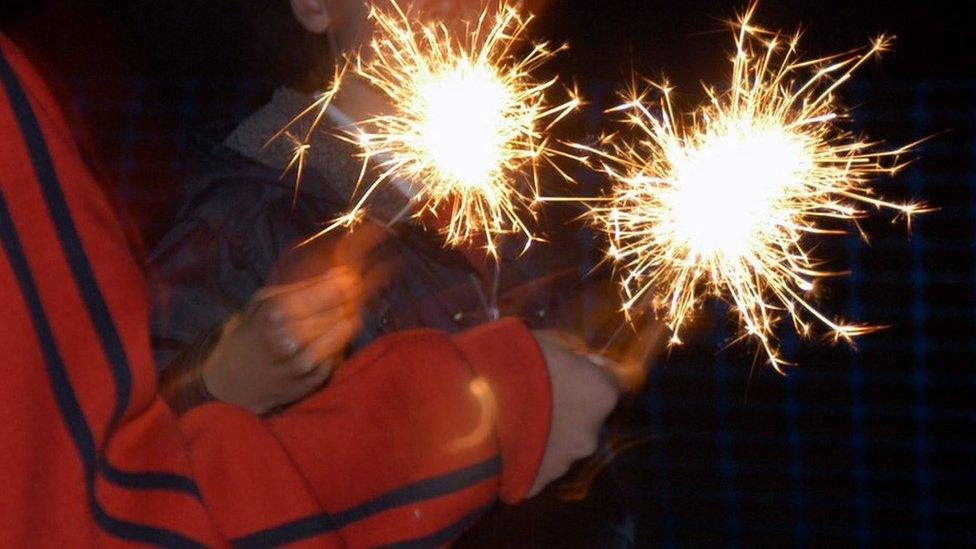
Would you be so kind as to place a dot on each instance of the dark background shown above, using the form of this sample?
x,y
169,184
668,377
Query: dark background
x,y
876,446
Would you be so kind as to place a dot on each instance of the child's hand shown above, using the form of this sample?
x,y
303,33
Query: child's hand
x,y
583,395
284,345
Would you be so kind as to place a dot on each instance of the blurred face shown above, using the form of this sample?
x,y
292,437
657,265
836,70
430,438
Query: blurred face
x,y
347,20
350,28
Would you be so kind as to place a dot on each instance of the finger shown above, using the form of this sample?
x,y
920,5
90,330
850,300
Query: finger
x,y
367,237
314,379
602,397
355,248
340,290
272,292
330,344
574,342
307,330
617,373
280,341
585,446
355,288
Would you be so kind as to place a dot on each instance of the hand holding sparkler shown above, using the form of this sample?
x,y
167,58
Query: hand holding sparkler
x,y
292,334
584,392
724,202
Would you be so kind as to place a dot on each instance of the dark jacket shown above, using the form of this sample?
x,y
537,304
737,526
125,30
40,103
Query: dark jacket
x,y
237,231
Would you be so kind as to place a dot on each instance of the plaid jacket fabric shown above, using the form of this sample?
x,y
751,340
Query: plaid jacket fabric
x,y
238,230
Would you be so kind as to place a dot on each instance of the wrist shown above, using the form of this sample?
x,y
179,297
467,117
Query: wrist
x,y
216,384
182,383
505,354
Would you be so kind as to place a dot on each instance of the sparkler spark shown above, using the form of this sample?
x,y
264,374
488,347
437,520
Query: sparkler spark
x,y
468,126
723,202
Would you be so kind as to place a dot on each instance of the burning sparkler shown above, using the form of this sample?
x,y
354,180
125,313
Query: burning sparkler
x,y
468,125
721,203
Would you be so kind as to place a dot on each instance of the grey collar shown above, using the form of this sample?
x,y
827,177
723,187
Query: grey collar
x,y
331,161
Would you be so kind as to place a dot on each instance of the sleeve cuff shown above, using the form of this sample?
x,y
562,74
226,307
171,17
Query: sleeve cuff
x,y
507,356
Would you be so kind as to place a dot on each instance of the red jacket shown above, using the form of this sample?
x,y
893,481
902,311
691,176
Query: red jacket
x,y
92,456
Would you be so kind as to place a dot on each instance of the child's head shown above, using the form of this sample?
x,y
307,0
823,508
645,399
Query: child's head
x,y
347,20
296,40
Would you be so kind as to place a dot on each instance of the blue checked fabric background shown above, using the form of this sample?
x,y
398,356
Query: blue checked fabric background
x,y
869,447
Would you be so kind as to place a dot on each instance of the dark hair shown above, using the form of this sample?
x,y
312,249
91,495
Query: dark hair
x,y
12,10
252,38
286,51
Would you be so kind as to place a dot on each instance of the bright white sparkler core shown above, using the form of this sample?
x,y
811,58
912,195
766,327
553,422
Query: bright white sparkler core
x,y
464,125
732,193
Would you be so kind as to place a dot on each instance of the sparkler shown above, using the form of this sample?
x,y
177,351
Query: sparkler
x,y
468,126
724,202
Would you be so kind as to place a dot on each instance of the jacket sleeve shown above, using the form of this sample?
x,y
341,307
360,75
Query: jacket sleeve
x,y
91,458
415,437
406,440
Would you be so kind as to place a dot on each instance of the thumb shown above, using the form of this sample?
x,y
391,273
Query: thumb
x,y
615,372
